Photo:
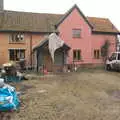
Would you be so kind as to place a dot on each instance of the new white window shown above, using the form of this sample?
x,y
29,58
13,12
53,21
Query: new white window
x,y
16,38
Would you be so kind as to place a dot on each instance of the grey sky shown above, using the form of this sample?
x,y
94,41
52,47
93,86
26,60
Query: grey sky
x,y
94,8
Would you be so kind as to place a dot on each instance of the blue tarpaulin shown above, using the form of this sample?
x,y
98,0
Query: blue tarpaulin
x,y
8,98
11,78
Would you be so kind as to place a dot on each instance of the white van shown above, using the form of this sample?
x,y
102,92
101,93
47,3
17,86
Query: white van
x,y
113,62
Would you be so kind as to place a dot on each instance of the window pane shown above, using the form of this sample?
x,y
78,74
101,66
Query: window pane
x,y
76,54
16,54
17,37
96,54
119,56
11,55
22,54
76,33
113,57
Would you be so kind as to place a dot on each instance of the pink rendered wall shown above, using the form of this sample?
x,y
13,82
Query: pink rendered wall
x,y
88,41
98,41
76,21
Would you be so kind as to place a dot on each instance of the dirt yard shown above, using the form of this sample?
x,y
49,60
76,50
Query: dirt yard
x,y
85,95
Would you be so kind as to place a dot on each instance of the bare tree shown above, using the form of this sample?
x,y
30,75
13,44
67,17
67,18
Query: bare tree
x,y
105,50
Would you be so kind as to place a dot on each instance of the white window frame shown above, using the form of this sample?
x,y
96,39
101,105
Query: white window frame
x,y
17,37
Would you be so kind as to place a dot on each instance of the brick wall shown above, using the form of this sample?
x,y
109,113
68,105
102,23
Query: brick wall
x,y
29,39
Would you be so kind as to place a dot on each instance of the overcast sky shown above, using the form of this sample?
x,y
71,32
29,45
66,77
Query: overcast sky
x,y
93,8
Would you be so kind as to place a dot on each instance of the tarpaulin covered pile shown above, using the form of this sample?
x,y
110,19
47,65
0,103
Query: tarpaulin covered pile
x,y
10,73
8,97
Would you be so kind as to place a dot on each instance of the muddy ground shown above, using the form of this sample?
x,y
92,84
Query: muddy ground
x,y
85,95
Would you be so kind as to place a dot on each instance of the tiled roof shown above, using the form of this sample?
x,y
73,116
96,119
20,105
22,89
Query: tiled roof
x,y
102,25
26,21
43,22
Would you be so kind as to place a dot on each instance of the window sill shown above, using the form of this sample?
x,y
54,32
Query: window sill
x,y
97,58
78,60
14,60
16,42
76,37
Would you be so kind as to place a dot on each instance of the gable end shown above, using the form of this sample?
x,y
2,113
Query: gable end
x,y
68,13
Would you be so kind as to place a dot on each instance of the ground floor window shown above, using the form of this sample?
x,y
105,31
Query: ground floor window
x,y
76,54
16,54
96,53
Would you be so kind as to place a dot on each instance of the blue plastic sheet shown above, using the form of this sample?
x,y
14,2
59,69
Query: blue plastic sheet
x,y
8,99
12,78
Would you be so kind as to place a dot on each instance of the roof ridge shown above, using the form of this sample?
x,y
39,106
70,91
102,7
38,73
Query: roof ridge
x,y
32,12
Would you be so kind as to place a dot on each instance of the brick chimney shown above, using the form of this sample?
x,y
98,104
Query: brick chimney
x,y
1,5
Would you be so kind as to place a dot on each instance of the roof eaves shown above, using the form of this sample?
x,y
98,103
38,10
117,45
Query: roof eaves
x,y
104,32
43,42
28,31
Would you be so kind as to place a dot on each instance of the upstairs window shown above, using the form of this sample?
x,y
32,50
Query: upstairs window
x,y
76,33
97,54
16,54
76,55
118,56
113,56
16,38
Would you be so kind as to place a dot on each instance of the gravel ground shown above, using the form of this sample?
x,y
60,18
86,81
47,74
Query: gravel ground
x,y
85,95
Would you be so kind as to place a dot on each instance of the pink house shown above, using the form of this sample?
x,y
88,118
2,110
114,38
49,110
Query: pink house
x,y
23,33
85,36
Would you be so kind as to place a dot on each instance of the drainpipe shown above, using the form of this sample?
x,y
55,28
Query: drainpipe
x,y
31,50
117,42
